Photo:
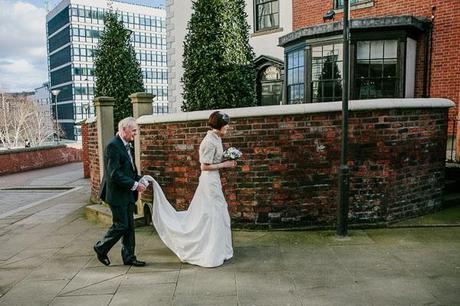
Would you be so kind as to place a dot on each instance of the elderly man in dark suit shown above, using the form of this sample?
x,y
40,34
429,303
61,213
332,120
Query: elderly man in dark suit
x,y
120,187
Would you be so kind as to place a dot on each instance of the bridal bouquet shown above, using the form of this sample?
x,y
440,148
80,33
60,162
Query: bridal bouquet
x,y
232,153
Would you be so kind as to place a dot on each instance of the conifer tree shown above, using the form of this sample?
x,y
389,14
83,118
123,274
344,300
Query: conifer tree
x,y
331,89
118,73
218,60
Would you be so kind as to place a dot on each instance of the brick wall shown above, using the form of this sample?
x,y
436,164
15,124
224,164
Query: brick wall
x,y
18,160
93,157
445,67
288,174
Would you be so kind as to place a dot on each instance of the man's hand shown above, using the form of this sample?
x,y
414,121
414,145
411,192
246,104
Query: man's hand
x,y
140,187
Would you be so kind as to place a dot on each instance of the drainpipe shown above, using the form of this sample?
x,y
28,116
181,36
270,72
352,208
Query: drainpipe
x,y
428,51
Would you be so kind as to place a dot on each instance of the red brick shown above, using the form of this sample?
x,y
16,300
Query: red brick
x,y
445,76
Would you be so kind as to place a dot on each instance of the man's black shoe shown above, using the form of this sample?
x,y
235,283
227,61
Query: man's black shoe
x,y
136,263
102,258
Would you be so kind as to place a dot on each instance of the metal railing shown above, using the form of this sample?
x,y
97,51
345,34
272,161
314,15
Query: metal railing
x,y
452,140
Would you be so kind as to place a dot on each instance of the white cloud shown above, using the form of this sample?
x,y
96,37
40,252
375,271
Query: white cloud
x,y
19,75
23,63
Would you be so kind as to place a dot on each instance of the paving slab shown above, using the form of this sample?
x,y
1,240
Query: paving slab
x,y
205,300
31,292
145,294
397,291
10,277
266,288
199,281
344,294
97,280
93,300
59,268
46,258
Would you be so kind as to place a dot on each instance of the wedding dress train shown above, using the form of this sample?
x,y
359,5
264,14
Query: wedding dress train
x,y
201,235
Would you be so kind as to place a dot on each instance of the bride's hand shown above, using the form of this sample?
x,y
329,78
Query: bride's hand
x,y
229,164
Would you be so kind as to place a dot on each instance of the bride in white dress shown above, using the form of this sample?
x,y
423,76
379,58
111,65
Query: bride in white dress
x,y
201,235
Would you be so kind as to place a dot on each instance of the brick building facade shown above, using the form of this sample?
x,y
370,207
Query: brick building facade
x,y
399,48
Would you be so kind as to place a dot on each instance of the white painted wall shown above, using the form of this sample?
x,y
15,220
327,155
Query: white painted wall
x,y
267,44
411,50
178,14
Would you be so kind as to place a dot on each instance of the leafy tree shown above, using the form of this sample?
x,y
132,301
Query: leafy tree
x,y
118,73
218,60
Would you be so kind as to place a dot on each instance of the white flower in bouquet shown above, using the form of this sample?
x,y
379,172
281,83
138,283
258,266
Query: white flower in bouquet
x,y
232,153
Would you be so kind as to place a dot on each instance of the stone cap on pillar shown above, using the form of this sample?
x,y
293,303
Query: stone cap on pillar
x,y
142,103
104,101
141,97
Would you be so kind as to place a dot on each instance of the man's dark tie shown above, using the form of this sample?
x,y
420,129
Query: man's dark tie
x,y
128,149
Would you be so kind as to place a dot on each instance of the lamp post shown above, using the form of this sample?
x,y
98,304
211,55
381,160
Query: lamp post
x,y
344,171
55,93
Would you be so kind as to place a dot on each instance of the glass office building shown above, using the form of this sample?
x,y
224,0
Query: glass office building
x,y
73,31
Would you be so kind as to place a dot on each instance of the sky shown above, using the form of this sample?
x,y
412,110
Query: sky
x,y
23,61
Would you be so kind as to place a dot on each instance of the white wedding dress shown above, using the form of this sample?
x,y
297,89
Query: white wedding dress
x,y
201,235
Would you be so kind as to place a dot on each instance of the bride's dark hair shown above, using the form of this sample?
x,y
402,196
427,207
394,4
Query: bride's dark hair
x,y
217,120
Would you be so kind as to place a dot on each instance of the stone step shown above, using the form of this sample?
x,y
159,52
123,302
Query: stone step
x,y
103,215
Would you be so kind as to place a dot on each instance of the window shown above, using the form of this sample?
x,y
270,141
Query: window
x,y
60,76
326,66
266,14
295,76
60,58
58,21
376,69
60,39
339,3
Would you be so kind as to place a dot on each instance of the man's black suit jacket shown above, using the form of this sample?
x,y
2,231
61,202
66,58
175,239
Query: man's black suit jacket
x,y
119,175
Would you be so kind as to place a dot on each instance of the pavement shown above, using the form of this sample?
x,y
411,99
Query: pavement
x,y
46,258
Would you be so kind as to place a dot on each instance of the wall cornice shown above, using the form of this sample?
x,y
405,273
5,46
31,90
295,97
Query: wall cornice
x,y
276,110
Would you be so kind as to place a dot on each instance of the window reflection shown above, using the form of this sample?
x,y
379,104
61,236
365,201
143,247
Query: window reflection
x,y
295,73
327,72
376,69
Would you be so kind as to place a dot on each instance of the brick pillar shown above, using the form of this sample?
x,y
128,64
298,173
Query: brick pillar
x,y
142,105
85,150
104,123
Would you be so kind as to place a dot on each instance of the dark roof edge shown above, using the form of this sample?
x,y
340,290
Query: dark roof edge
x,y
269,59
418,23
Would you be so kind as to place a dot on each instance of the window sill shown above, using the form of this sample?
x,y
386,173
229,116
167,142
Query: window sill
x,y
266,32
357,6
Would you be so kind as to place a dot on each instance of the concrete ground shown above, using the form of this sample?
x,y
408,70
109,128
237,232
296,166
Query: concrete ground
x,y
46,258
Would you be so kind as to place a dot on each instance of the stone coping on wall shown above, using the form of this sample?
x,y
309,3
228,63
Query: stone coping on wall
x,y
354,105
31,149
91,120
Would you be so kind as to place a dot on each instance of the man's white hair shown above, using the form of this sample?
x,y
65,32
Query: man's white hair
x,y
126,122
